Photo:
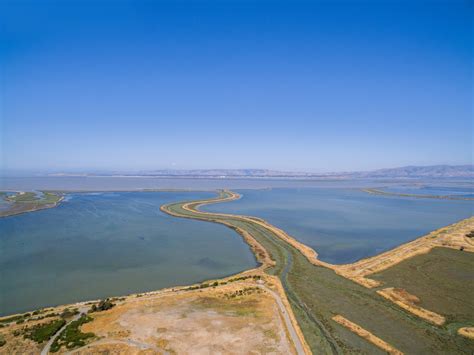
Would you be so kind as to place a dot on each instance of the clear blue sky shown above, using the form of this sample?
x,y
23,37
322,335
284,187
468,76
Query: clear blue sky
x,y
291,85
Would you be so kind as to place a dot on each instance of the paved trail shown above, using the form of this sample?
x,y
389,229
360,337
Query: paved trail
x,y
193,208
45,350
289,325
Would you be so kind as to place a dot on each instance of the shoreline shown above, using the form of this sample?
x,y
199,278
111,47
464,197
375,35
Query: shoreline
x,y
63,193
355,271
36,207
309,252
398,194
357,274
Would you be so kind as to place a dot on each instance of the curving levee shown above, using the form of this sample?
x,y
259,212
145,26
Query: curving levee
x,y
318,291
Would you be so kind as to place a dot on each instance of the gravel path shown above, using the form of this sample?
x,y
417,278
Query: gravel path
x,y
45,350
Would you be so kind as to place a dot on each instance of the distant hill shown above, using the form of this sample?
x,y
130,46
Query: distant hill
x,y
433,171
218,173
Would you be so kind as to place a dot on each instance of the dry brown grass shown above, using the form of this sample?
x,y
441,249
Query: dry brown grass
x,y
366,335
17,344
408,302
193,322
467,332
452,236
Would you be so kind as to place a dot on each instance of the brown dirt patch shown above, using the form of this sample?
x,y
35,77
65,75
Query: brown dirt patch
x,y
467,332
193,322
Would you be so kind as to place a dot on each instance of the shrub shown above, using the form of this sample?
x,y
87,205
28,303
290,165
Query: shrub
x,y
13,318
102,306
72,336
44,332
67,313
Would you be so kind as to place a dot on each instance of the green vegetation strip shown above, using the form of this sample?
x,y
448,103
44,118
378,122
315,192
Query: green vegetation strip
x,y
32,197
29,202
72,337
443,281
23,197
16,318
316,294
44,332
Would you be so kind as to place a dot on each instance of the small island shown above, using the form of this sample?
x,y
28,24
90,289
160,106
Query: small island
x,y
20,201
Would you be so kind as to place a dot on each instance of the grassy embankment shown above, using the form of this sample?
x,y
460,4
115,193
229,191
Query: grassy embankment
x,y
22,202
317,294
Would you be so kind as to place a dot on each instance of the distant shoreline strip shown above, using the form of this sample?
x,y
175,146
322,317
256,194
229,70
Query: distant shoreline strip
x,y
397,194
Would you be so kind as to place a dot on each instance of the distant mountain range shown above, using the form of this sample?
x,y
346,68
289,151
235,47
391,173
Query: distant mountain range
x,y
433,171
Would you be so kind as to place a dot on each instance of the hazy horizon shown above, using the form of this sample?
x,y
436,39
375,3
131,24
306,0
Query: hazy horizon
x,y
130,172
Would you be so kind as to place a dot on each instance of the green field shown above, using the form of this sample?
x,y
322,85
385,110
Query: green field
x,y
316,294
28,202
442,279
23,197
32,197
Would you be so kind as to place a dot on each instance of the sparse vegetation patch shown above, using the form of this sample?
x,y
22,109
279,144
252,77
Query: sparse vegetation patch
x,y
43,332
14,318
72,337
102,305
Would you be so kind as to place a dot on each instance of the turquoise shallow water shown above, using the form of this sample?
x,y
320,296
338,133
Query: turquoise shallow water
x,y
108,244
344,225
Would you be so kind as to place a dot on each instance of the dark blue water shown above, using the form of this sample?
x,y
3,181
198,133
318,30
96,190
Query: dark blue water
x,y
345,225
109,244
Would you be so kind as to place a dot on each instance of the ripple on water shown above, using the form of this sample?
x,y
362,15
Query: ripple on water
x,y
98,245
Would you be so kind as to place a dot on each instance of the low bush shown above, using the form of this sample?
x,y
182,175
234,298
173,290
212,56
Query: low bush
x,y
67,313
102,306
71,336
44,332
13,318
